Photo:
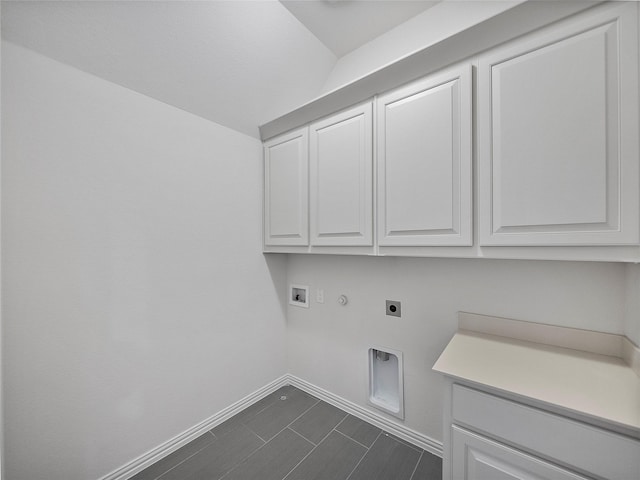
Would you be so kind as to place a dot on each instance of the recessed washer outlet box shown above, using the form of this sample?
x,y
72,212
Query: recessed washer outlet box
x,y
299,295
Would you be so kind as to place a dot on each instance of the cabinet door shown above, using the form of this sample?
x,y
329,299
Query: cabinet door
x,y
424,162
286,217
341,190
478,458
558,135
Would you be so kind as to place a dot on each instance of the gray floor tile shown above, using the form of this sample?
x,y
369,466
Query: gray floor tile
x,y
170,461
274,460
403,441
248,413
217,458
281,413
318,422
429,468
292,437
334,459
387,459
360,431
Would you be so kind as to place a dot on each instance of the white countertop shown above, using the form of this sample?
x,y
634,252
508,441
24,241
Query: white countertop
x,y
600,386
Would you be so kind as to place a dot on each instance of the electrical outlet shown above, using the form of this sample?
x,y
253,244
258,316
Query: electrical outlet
x,y
319,295
393,308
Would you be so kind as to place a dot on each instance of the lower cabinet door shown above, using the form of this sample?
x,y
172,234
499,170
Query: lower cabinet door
x,y
477,458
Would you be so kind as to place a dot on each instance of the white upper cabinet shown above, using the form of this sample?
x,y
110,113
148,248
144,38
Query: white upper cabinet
x,y
528,147
424,162
286,220
341,180
558,135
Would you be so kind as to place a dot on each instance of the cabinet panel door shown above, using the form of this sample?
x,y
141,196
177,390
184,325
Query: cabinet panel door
x,y
424,162
602,453
478,458
341,190
286,217
558,135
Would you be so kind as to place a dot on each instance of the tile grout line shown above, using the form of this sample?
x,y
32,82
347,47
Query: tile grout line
x,y
244,424
310,451
416,467
247,420
270,404
252,431
314,445
308,440
403,442
341,421
353,439
296,419
261,410
334,429
323,438
289,427
249,456
350,437
356,467
266,442
159,477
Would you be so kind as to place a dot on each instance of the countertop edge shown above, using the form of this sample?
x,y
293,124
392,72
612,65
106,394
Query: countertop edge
x,y
497,362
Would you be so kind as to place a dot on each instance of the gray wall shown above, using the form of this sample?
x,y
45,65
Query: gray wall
x,y
328,343
134,286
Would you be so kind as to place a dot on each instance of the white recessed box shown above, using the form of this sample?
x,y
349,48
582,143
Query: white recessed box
x,y
299,295
386,385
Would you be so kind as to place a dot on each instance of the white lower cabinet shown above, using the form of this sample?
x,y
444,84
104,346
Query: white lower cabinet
x,y
489,437
478,458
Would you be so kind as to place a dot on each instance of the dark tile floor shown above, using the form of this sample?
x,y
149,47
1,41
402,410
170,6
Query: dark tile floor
x,y
294,436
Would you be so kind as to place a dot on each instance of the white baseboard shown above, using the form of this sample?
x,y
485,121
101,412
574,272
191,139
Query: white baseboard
x,y
137,465
386,424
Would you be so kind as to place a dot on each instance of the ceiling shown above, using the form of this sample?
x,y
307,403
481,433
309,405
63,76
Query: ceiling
x,y
237,63
344,25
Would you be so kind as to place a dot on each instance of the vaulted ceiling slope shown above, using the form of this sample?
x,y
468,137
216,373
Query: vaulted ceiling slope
x,y
237,63
344,25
